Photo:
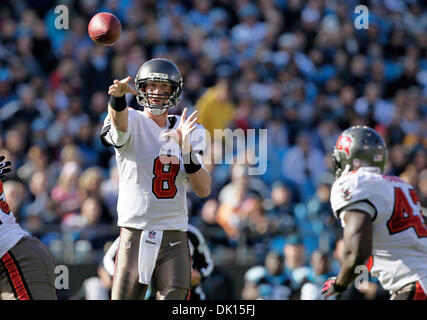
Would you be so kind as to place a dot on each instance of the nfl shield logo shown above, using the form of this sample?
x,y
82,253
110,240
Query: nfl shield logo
x,y
151,234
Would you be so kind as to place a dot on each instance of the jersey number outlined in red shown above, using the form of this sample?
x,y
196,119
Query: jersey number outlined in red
x,y
399,222
165,171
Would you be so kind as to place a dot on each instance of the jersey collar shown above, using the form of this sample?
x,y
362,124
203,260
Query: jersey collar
x,y
370,169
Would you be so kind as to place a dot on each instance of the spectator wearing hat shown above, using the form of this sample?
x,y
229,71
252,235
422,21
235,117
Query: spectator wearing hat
x,y
295,261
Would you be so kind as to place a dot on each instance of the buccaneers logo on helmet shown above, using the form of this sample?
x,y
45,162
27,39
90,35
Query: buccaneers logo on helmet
x,y
344,144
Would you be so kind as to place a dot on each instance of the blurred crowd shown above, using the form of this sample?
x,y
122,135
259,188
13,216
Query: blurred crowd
x,y
299,69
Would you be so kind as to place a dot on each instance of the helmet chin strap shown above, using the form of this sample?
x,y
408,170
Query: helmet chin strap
x,y
346,169
157,111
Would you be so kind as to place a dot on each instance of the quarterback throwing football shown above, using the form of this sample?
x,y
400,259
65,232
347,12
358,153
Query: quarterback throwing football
x,y
156,153
381,217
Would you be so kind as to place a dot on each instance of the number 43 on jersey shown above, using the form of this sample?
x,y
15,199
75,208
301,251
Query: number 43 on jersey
x,y
403,214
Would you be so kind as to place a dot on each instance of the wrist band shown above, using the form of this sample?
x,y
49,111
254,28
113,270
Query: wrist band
x,y
191,166
118,103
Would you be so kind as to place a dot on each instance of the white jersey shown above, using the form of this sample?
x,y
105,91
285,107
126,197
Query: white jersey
x,y
152,193
399,235
10,231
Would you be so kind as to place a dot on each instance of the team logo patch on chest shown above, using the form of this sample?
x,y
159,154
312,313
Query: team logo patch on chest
x,y
345,193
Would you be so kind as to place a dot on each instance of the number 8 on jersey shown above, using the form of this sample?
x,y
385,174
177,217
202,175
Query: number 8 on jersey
x,y
165,173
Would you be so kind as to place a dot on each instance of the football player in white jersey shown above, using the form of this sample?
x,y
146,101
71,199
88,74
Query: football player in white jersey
x,y
27,267
381,216
156,154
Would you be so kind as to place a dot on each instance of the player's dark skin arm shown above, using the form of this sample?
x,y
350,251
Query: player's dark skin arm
x,y
357,245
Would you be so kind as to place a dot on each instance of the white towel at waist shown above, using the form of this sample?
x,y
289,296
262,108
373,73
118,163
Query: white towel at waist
x,y
149,247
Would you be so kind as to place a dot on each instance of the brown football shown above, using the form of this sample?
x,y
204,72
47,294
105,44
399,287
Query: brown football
x,y
104,28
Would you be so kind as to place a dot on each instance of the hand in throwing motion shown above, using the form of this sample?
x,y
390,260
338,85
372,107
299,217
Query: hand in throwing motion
x,y
181,134
120,87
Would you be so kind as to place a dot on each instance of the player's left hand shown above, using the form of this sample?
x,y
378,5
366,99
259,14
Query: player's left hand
x,y
3,167
330,288
181,134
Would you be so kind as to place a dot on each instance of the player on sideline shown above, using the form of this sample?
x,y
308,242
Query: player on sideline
x,y
381,217
155,153
27,267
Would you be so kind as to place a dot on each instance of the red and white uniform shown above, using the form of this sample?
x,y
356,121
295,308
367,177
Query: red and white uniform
x,y
10,231
399,234
152,193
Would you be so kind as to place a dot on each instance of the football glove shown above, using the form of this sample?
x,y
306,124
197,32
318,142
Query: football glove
x,y
330,288
3,168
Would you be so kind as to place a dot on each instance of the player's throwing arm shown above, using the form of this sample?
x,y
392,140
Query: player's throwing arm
x,y
117,105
